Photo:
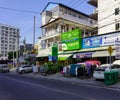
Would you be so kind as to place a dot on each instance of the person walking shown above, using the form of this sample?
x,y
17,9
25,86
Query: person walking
x,y
64,70
35,68
76,71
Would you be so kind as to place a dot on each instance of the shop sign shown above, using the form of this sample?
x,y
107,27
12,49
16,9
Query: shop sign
x,y
54,53
117,49
49,58
92,42
71,40
83,55
102,40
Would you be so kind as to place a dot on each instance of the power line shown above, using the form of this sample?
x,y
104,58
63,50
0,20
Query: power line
x,y
105,25
19,10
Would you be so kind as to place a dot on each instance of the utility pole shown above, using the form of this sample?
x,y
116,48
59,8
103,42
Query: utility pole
x,y
34,32
24,43
17,48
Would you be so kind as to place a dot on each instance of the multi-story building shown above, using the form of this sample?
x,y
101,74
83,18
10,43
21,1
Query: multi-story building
x,y
26,48
108,16
107,13
94,3
9,40
59,19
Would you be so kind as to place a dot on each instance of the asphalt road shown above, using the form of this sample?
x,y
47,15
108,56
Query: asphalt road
x,y
19,87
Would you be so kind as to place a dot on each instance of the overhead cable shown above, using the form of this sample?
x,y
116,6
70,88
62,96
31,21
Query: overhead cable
x,y
5,8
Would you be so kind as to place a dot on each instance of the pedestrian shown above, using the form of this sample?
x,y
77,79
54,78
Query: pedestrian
x,y
64,70
76,71
35,68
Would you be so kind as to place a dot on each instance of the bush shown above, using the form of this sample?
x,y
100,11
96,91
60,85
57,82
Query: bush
x,y
53,68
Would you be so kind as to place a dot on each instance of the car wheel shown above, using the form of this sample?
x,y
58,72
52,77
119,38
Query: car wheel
x,y
22,72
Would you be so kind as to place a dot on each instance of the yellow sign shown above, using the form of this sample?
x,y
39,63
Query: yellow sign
x,y
110,50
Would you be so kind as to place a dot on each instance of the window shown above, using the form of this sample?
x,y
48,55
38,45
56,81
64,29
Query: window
x,y
91,22
79,16
66,12
116,11
117,26
69,12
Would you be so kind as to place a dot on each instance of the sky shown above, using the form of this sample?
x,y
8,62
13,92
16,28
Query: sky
x,y
20,14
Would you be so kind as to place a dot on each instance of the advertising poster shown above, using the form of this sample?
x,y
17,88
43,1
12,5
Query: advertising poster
x,y
71,40
102,40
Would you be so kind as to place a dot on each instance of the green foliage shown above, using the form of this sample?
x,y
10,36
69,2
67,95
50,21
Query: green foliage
x,y
53,68
10,54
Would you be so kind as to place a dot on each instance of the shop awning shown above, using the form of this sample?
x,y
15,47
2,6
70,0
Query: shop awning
x,y
64,56
42,55
102,54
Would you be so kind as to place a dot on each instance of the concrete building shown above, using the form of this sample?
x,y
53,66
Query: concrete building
x,y
108,15
9,40
59,19
26,47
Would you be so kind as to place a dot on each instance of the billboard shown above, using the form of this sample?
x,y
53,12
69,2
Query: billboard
x,y
92,42
101,40
71,40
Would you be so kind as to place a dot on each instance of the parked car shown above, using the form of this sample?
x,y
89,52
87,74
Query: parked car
x,y
99,71
116,62
4,68
24,69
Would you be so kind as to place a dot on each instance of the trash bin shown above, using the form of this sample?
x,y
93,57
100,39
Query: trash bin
x,y
73,67
111,77
108,78
115,76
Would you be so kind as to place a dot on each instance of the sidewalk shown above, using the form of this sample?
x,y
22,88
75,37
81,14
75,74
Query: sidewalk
x,y
75,80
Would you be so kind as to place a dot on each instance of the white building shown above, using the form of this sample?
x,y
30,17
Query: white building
x,y
60,19
108,16
9,40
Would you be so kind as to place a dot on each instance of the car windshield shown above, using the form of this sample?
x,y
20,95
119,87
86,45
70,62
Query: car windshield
x,y
102,67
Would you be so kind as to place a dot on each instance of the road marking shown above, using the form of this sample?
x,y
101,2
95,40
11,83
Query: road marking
x,y
87,98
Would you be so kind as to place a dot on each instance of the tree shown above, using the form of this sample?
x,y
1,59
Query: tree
x,y
10,54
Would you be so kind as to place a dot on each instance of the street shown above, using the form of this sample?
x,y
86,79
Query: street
x,y
19,87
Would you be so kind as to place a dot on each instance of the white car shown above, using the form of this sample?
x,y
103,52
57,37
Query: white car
x,y
116,62
99,71
4,68
24,69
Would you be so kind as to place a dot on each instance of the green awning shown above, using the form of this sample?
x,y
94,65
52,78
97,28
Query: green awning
x,y
64,56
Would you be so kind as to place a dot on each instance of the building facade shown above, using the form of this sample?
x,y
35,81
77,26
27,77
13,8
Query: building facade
x,y
9,40
108,16
26,47
60,19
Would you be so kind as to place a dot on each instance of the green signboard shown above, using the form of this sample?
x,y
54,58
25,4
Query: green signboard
x,y
54,51
71,40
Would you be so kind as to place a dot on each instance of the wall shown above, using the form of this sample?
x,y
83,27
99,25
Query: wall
x,y
106,18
